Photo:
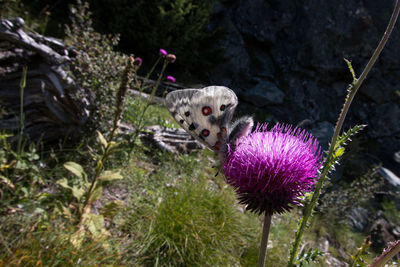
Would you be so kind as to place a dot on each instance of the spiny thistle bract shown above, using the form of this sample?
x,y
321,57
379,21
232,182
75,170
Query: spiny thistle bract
x,y
270,170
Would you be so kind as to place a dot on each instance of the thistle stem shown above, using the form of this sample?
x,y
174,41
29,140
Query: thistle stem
x,y
309,207
264,240
389,253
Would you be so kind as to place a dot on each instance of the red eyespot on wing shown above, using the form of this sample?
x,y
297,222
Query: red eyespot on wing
x,y
205,132
222,107
223,130
206,110
216,146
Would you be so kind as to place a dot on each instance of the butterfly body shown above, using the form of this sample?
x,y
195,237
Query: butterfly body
x,y
206,114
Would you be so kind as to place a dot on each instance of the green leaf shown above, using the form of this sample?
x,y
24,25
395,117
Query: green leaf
x,y
64,183
7,182
339,152
75,168
96,194
110,176
102,140
77,192
94,223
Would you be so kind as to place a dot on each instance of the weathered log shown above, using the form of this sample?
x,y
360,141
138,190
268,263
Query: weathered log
x,y
50,112
171,140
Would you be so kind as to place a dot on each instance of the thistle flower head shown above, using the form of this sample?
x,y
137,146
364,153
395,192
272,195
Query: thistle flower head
x,y
171,58
171,79
270,170
138,61
163,53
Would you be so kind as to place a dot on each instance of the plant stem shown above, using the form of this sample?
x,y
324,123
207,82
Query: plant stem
x,y
139,125
264,240
117,116
152,68
309,207
386,255
361,252
21,108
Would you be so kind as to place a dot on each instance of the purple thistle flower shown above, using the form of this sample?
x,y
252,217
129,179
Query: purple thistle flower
x,y
163,53
138,61
171,79
270,170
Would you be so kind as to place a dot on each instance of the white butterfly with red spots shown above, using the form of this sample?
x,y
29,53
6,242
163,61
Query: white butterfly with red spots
x,y
206,114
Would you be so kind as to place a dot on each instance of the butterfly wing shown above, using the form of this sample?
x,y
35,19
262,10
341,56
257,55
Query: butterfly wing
x,y
178,103
204,113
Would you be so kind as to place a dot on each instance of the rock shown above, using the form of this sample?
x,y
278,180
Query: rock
x,y
385,120
390,177
323,131
382,232
264,93
298,49
359,217
396,156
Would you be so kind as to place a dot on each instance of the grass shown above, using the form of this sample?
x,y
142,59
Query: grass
x,y
169,210
176,212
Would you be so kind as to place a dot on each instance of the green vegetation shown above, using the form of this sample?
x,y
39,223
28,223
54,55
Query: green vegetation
x,y
144,27
178,25
115,202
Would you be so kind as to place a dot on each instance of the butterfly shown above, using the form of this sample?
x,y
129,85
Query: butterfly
x,y
206,115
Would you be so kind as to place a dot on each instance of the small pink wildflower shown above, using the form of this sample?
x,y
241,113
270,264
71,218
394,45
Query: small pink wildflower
x,y
138,61
163,53
171,58
171,79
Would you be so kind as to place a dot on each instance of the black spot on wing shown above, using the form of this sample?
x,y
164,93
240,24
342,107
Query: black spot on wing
x,y
192,126
187,113
212,119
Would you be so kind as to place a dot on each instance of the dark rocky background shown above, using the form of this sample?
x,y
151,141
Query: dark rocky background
x,y
283,58
285,61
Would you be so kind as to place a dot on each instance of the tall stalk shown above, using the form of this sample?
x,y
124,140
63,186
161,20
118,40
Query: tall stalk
x,y
117,117
310,205
22,86
264,240
139,125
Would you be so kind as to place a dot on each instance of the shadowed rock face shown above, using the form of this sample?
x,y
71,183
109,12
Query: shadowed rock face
x,y
285,59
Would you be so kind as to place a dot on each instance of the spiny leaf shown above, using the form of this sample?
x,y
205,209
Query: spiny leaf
x,y
339,149
342,139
